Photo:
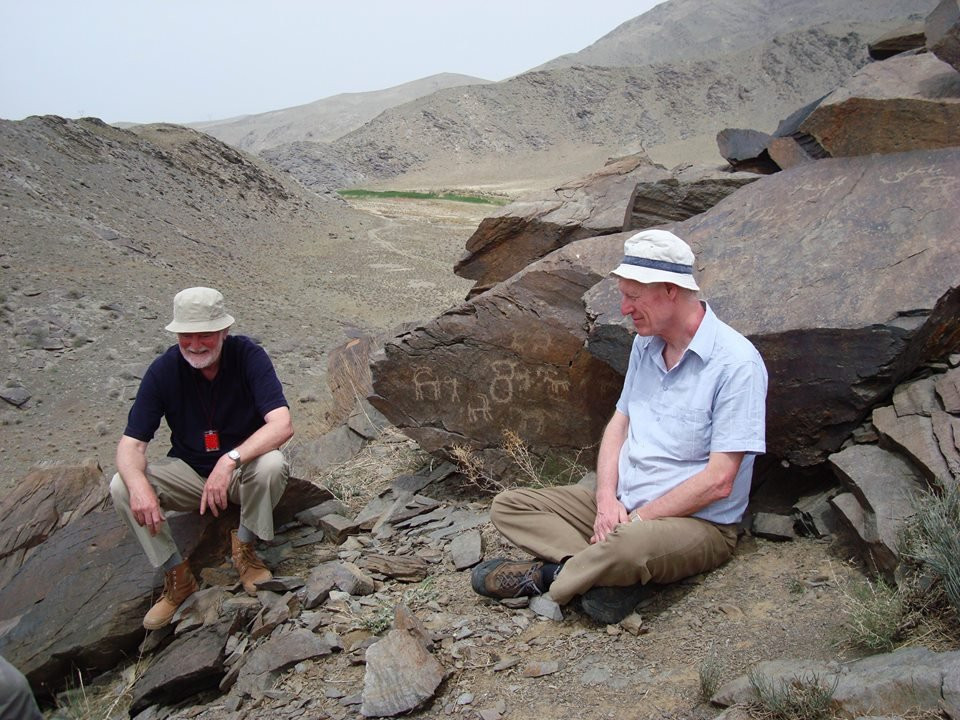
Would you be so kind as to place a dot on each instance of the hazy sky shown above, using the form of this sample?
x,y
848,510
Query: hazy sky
x,y
193,60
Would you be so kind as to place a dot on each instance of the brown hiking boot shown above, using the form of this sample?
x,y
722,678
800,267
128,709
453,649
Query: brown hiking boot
x,y
249,567
178,585
502,578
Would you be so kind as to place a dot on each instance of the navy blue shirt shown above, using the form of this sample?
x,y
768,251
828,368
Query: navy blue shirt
x,y
234,404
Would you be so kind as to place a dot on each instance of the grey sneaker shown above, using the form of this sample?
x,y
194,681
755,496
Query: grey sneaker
x,y
502,578
609,605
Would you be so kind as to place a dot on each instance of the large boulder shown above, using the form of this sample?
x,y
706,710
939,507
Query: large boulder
x,y
512,358
526,230
909,102
79,598
843,272
810,263
47,499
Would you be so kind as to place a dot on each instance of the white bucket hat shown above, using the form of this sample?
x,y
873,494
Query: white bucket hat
x,y
657,256
199,309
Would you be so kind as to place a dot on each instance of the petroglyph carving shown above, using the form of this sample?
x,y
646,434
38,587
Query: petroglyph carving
x,y
480,410
506,380
425,384
454,385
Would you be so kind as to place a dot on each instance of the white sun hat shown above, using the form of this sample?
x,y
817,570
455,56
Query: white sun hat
x,y
654,256
197,310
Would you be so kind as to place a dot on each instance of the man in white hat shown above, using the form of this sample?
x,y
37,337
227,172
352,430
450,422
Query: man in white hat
x,y
674,464
228,417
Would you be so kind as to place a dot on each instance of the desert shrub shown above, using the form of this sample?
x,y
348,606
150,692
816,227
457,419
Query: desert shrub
x,y
525,467
801,698
875,612
932,539
710,671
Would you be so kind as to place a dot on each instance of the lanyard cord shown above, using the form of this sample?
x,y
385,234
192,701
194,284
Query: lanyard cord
x,y
213,400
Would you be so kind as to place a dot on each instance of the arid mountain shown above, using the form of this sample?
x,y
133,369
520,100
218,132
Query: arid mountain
x,y
100,227
683,30
548,125
324,120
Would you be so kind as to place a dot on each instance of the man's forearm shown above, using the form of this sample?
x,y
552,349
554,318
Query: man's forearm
x,y
713,483
273,434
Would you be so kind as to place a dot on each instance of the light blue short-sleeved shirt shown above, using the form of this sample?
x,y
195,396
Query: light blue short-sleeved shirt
x,y
713,400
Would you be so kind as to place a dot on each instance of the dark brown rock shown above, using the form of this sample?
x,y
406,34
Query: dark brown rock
x,y
513,358
773,526
746,150
189,665
80,598
263,665
910,102
45,500
338,528
526,230
787,152
942,30
405,568
348,375
682,193
903,39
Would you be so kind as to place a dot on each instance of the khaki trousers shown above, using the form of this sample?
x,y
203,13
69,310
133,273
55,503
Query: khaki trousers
x,y
256,487
556,524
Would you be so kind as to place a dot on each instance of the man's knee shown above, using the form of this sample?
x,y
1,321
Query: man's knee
x,y
119,492
504,504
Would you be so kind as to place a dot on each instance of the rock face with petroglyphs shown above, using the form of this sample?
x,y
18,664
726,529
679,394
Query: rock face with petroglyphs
x,y
512,358
809,263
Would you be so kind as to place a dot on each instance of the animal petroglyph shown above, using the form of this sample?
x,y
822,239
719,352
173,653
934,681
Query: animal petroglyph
x,y
480,410
425,384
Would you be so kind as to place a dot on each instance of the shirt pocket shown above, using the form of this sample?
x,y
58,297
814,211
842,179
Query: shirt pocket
x,y
686,432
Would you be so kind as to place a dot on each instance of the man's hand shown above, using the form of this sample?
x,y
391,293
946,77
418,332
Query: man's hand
x,y
215,488
146,508
610,513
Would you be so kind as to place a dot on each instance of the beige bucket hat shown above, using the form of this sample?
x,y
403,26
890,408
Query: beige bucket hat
x,y
657,256
199,309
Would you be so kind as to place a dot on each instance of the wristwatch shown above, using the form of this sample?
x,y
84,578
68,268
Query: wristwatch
x,y
234,455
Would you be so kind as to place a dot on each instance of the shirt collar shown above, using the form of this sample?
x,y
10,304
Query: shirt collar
x,y
706,335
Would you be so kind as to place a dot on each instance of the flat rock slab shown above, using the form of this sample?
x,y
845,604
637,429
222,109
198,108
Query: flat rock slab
x,y
189,665
906,681
887,488
527,230
401,675
906,103
263,664
79,600
404,568
683,193
466,549
42,502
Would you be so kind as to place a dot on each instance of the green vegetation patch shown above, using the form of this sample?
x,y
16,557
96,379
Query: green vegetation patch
x,y
410,195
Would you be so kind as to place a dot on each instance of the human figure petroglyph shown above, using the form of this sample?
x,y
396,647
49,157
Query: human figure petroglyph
x,y
454,386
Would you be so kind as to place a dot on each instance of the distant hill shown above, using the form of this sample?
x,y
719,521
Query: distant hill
x,y
548,125
682,30
326,119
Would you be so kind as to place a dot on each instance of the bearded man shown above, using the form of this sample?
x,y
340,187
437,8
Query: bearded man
x,y
228,417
